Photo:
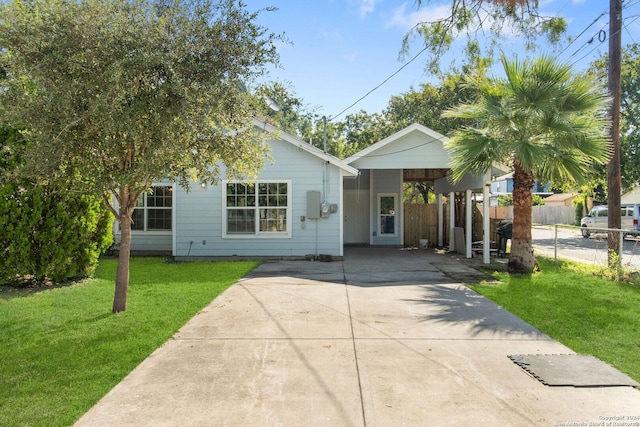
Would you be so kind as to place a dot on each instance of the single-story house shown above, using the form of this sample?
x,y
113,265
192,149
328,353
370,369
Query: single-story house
x,y
560,199
503,185
304,202
631,197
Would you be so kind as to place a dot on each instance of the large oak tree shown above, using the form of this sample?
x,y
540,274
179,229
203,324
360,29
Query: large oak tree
x,y
121,93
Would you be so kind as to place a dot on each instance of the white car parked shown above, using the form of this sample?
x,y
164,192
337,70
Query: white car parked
x,y
598,218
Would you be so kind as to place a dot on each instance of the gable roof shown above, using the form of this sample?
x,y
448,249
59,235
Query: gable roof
x,y
304,146
560,197
414,147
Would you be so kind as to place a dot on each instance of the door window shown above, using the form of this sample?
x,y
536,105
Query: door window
x,y
387,216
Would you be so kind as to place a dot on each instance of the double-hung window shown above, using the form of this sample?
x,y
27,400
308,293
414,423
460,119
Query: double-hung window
x,y
153,210
262,208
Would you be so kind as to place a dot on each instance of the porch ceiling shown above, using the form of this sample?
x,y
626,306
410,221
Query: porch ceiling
x,y
423,175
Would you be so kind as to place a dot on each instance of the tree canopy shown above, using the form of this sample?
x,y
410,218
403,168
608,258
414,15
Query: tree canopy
x,y
118,94
483,23
629,114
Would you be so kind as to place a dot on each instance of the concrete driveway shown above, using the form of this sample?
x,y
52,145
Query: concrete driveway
x,y
385,337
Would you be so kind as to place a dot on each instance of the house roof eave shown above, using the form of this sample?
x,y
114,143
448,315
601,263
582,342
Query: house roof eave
x,y
298,143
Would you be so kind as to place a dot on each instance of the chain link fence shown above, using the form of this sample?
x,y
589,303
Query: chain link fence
x,y
568,242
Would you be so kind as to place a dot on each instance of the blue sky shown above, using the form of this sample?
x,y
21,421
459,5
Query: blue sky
x,y
342,49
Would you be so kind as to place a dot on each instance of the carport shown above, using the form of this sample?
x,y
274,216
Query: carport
x,y
372,201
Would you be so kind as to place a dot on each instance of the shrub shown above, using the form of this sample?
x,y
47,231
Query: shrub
x,y
579,204
50,233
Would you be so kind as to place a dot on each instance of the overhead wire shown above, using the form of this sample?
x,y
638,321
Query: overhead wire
x,y
597,35
382,83
584,45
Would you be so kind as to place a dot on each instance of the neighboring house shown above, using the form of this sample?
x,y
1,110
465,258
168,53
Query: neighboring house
x,y
561,199
304,202
631,197
503,185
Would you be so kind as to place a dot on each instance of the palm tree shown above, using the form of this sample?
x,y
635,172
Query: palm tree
x,y
541,119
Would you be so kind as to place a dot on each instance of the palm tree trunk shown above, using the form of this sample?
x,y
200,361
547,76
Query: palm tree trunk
x,y
521,259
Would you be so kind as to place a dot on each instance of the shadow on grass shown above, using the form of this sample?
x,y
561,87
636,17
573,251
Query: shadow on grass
x,y
11,291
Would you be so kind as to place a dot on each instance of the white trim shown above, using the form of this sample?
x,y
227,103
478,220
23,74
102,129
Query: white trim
x,y
468,224
174,231
258,234
341,213
452,221
372,210
401,207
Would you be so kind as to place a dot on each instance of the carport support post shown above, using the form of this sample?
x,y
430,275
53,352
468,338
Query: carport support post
x,y
452,221
468,226
486,222
440,207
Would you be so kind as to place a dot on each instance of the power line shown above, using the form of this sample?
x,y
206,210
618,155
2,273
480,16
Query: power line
x,y
633,2
583,31
379,85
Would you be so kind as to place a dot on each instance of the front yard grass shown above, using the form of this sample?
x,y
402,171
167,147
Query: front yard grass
x,y
62,349
574,304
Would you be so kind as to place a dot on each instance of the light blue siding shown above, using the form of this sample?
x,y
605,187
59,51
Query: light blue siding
x,y
200,212
151,242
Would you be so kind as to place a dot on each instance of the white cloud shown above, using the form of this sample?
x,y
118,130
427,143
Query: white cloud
x,y
331,35
405,21
367,6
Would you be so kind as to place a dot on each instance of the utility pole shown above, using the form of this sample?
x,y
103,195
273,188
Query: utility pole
x,y
613,168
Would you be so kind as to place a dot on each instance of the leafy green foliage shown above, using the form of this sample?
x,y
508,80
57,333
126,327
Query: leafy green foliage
x,y
126,93
505,200
50,233
540,119
540,115
114,95
483,19
629,116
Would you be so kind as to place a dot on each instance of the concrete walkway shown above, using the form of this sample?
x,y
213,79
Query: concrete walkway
x,y
383,338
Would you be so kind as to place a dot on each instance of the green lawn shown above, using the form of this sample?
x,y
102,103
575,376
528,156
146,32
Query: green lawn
x,y
62,349
573,304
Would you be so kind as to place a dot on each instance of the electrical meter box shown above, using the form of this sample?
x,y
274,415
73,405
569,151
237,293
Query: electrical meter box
x,y
313,204
324,210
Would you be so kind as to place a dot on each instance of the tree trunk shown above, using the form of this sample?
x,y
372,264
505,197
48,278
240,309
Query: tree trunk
x,y
521,259
122,275
127,200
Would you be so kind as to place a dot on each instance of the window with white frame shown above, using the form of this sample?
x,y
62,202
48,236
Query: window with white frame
x,y
260,208
153,210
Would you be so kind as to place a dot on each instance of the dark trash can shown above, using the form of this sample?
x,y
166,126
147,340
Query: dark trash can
x,y
503,230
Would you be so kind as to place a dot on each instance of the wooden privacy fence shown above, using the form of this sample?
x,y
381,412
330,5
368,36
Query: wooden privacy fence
x,y
421,220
